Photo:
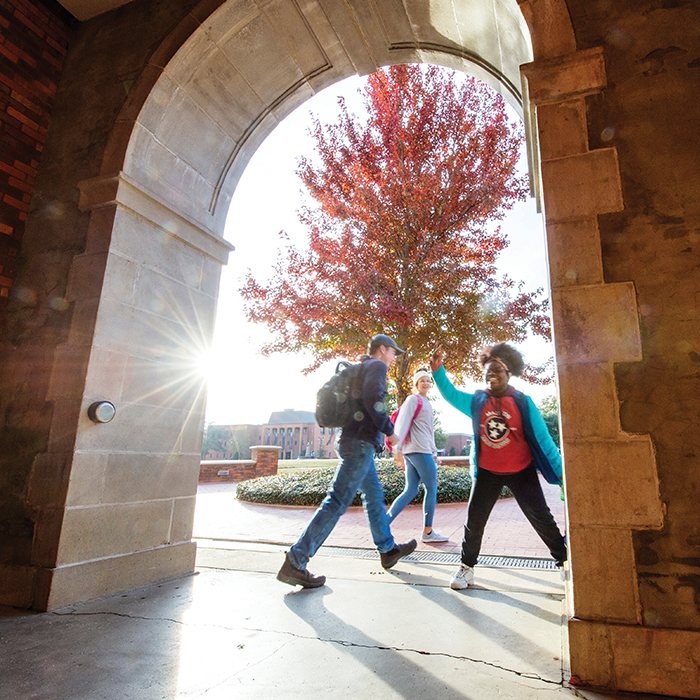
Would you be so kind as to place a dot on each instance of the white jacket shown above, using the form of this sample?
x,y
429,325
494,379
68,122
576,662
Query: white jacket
x,y
422,432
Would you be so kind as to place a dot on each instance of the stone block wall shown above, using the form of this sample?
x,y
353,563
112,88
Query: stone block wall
x,y
620,183
33,41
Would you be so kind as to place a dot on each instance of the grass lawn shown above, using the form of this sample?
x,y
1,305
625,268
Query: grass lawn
x,y
306,463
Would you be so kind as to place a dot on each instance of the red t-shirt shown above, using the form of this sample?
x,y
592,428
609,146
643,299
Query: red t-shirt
x,y
504,449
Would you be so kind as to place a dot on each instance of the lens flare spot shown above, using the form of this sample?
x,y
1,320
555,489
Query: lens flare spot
x,y
58,303
24,295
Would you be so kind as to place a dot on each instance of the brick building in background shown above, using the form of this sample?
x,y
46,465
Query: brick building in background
x,y
458,444
296,432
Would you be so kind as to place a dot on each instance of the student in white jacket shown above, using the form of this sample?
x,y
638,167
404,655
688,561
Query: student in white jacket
x,y
416,441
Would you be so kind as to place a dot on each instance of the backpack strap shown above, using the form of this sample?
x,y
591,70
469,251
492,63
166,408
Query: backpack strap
x,y
418,408
408,433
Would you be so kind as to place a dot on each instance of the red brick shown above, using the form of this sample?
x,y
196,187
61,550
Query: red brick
x,y
55,45
22,54
34,134
12,138
12,83
59,34
20,185
13,171
4,51
49,89
29,104
22,206
6,229
27,22
55,62
23,118
10,125
33,11
25,168
6,281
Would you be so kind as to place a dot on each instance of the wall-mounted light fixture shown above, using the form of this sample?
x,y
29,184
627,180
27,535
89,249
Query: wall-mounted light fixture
x,y
102,411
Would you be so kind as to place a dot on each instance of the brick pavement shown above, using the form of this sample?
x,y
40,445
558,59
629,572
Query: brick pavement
x,y
219,515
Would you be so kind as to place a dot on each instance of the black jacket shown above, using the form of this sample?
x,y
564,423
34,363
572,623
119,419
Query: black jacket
x,y
372,417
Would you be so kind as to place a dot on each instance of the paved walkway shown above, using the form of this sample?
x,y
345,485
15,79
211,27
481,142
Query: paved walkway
x,y
219,515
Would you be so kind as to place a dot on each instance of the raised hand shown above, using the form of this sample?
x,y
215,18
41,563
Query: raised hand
x,y
436,358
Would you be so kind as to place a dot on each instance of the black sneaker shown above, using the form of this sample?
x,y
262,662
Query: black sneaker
x,y
298,577
393,555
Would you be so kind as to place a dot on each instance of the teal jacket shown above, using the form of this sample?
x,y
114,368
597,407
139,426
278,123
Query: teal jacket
x,y
544,452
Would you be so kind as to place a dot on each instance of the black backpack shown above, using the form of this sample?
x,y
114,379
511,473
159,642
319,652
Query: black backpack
x,y
338,400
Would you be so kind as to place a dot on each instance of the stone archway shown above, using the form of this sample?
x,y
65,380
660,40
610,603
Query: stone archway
x,y
174,158
115,500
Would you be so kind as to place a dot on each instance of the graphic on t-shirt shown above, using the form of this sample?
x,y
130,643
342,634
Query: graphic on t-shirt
x,y
496,430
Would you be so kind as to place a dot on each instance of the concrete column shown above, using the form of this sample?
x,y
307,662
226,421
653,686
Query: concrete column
x,y
611,477
145,294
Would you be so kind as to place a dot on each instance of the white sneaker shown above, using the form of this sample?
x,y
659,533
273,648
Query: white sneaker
x,y
463,577
433,536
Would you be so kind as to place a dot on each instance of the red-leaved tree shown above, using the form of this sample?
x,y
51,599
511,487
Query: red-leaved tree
x,y
398,238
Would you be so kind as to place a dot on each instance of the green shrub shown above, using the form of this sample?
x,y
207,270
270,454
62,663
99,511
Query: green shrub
x,y
308,487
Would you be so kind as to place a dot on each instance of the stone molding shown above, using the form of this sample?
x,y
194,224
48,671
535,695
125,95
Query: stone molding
x,y
562,78
124,191
596,323
96,578
635,658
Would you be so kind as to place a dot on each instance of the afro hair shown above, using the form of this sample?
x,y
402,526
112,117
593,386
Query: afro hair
x,y
507,354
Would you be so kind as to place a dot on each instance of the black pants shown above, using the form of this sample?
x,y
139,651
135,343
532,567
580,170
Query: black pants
x,y
526,488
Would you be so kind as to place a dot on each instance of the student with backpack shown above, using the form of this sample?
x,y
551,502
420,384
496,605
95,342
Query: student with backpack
x,y
415,432
359,442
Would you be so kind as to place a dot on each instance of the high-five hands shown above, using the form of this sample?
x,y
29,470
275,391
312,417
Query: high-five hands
x,y
436,358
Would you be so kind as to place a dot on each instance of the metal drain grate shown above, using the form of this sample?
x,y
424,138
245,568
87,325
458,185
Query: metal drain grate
x,y
518,563
446,558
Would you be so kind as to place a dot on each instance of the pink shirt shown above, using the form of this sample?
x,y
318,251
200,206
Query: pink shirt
x,y
504,449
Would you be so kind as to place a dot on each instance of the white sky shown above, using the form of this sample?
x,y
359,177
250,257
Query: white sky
x,y
244,386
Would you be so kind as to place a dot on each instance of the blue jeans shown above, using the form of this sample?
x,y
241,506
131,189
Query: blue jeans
x,y
526,488
356,472
419,467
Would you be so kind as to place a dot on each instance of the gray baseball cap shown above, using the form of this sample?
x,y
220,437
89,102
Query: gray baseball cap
x,y
381,339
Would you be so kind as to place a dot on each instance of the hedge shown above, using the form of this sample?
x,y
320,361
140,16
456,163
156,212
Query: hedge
x,y
308,487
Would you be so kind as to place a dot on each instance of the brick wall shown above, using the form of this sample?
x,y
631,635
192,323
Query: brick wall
x,y
33,41
453,462
226,471
264,463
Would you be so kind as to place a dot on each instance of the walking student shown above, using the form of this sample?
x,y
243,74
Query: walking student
x,y
415,432
511,442
359,442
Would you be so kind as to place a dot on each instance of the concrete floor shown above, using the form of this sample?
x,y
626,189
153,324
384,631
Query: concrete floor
x,y
233,631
